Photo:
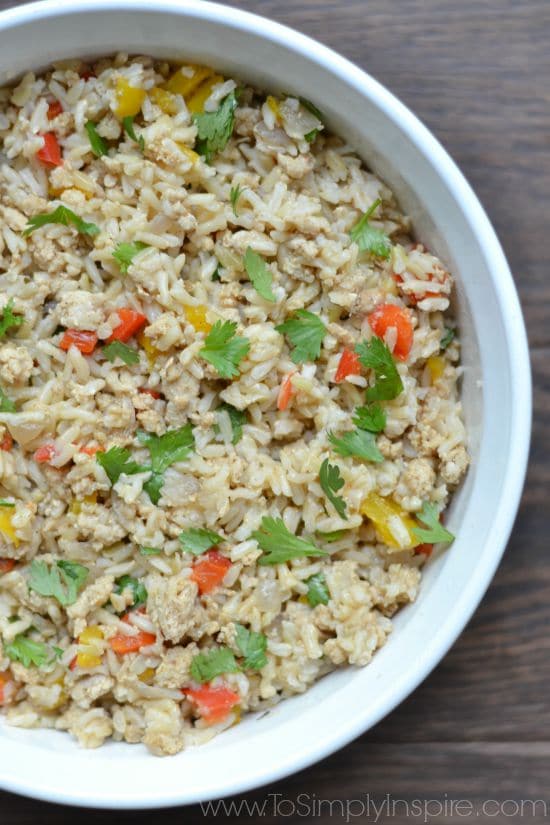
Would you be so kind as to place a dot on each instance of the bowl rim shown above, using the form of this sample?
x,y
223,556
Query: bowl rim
x,y
515,340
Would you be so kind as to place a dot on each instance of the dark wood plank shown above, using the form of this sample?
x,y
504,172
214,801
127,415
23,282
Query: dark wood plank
x,y
478,728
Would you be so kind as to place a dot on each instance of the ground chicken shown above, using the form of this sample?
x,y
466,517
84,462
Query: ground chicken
x,y
173,671
81,310
170,605
15,364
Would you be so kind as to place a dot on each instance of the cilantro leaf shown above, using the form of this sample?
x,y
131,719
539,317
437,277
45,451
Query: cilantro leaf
x,y
198,540
6,404
8,319
125,253
64,216
5,503
311,137
358,443
139,591
306,332
116,461
331,482
311,107
371,418
237,418
234,195
447,337
214,129
334,535
368,238
216,274
317,590
259,274
128,126
24,650
62,580
116,349
149,551
223,349
165,450
153,486
206,666
435,532
252,646
280,545
99,147
376,356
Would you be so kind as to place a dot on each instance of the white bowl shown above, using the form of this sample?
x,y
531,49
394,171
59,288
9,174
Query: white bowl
x,y
496,395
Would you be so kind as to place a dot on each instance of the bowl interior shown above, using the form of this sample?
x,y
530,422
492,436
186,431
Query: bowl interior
x,y
449,220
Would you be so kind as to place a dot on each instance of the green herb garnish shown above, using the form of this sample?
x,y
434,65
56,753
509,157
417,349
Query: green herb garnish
x,y
280,545
128,126
24,650
371,418
224,349
116,461
116,349
259,274
125,253
165,450
8,319
306,332
252,646
368,238
237,418
447,338
317,590
311,107
6,404
62,580
214,129
332,536
99,147
234,196
139,591
214,662
376,356
198,540
5,503
64,216
150,551
331,482
435,532
358,443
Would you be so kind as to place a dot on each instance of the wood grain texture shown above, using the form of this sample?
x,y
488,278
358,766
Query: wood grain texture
x,y
479,727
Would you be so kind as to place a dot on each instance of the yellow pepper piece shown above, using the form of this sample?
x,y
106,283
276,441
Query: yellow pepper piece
x,y
89,654
129,98
197,318
147,674
91,499
149,348
6,526
190,153
273,104
88,660
436,367
75,507
184,85
165,100
90,634
393,524
196,102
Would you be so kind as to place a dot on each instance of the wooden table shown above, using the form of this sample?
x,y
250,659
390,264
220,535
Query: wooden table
x,y
477,73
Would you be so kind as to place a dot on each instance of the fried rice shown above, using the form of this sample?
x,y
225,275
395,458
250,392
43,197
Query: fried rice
x,y
229,414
